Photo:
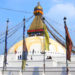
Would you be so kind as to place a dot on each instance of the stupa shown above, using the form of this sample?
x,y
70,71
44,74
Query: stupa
x,y
55,57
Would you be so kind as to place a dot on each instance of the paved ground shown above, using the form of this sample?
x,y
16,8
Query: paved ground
x,y
39,71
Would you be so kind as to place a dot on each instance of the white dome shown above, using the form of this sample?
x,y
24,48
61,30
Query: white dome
x,y
37,43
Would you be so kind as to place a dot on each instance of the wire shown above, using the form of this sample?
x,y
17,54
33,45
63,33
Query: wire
x,y
29,18
20,27
14,41
9,33
12,33
10,29
55,37
19,11
14,27
54,29
60,24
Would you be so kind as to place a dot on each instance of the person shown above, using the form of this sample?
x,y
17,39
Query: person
x,y
33,51
20,57
31,57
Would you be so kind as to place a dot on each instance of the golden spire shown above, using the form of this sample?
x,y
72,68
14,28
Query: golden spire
x,y
38,10
38,3
36,27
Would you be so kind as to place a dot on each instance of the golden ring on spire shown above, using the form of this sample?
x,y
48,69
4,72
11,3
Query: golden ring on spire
x,y
38,11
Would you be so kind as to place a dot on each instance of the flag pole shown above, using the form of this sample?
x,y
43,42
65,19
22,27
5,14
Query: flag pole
x,y
23,34
23,43
25,51
66,48
5,53
44,50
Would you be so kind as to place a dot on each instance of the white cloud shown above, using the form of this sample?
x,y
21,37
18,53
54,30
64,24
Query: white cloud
x,y
67,10
58,12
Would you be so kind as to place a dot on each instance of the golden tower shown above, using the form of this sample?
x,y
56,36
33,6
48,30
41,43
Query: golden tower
x,y
36,27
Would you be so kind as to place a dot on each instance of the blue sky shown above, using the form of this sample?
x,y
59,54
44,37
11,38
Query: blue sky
x,y
54,11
